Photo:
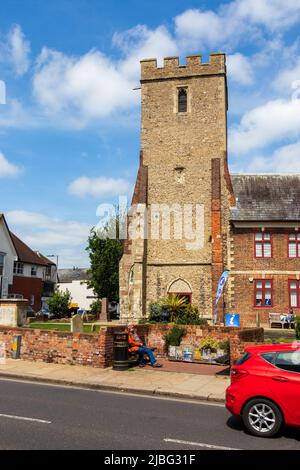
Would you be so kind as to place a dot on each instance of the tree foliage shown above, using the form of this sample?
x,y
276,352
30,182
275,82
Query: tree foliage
x,y
105,251
59,303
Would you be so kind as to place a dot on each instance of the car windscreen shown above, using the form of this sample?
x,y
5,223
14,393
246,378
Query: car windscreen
x,y
243,359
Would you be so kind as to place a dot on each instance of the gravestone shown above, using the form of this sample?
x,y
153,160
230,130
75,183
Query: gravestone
x,y
76,324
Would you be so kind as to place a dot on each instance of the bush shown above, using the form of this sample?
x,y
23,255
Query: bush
x,y
158,313
59,303
297,327
177,311
95,308
174,337
189,315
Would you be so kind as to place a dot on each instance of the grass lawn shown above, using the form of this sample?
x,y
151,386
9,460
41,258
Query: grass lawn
x,y
87,327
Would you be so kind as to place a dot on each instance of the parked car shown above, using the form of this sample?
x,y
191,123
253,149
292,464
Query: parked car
x,y
30,313
265,388
45,313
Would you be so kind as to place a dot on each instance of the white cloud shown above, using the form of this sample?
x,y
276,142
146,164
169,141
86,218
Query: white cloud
x,y
287,78
240,69
285,159
65,238
8,169
273,14
44,230
99,187
18,49
87,87
141,43
14,114
235,20
94,86
265,125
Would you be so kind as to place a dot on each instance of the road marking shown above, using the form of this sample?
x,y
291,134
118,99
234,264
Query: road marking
x,y
199,444
24,418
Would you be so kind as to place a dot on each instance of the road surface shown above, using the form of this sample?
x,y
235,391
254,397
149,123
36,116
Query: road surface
x,y
39,416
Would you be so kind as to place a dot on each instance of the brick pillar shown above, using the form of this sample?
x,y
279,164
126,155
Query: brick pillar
x,y
216,229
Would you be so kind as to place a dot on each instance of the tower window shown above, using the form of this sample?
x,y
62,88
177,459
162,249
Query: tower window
x,y
182,100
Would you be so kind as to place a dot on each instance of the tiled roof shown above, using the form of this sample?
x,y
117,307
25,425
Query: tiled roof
x,y
26,254
266,197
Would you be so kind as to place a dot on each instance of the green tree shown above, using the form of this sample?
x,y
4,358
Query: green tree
x,y
59,303
105,251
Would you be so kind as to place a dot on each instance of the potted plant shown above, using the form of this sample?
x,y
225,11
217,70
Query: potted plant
x,y
208,347
173,339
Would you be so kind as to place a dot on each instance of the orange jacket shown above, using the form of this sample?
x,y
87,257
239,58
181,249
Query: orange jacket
x,y
133,342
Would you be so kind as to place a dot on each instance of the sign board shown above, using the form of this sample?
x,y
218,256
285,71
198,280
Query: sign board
x,y
232,319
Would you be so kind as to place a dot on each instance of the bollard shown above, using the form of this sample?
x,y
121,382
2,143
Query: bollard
x,y
16,349
120,359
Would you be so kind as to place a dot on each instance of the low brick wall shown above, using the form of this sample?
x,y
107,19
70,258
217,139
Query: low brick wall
x,y
238,337
96,349
89,349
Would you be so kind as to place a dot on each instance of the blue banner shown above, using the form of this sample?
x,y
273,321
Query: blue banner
x,y
222,282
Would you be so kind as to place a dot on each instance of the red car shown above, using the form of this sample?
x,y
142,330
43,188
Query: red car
x,y
265,388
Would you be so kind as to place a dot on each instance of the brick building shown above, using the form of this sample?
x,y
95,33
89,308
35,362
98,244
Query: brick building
x,y
264,257
245,223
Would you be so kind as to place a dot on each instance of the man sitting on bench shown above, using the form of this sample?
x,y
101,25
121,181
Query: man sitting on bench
x,y
136,344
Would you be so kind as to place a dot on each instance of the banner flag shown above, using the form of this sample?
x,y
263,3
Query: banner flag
x,y
222,282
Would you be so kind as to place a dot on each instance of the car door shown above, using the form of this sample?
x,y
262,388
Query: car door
x,y
286,384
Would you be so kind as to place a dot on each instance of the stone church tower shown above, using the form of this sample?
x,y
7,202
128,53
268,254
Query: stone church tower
x,y
183,179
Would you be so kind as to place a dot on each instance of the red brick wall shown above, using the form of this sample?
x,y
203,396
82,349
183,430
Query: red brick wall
x,y
90,349
96,349
244,255
154,335
244,260
28,286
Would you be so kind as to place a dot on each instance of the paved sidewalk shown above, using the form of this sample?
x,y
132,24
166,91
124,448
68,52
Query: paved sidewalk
x,y
147,380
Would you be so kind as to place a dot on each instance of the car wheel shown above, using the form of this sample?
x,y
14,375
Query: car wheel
x,y
262,417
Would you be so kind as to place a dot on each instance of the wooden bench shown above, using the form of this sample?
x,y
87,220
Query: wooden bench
x,y
276,321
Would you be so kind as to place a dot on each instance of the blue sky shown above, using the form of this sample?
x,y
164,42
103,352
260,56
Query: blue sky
x,y
69,131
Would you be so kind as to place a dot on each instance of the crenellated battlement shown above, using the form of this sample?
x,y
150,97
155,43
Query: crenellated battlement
x,y
193,67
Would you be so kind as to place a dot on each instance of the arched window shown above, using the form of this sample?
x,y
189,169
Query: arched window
x,y
181,288
182,100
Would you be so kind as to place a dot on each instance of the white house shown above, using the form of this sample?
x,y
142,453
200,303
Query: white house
x,y
74,280
8,256
24,273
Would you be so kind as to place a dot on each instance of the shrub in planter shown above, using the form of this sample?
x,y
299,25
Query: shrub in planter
x,y
174,337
